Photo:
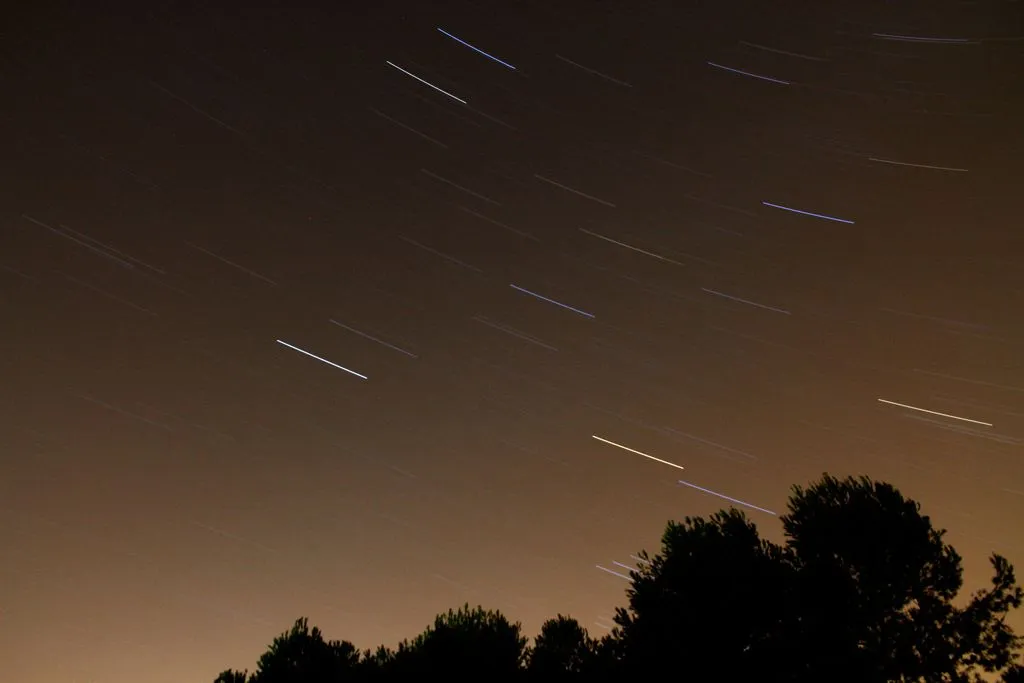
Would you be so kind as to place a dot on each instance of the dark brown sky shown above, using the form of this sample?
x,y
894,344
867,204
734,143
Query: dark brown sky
x,y
182,188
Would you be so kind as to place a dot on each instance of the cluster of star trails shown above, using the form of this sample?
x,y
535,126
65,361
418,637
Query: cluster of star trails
x,y
619,569
485,295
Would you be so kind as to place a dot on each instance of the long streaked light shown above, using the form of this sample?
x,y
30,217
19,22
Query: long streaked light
x,y
725,497
809,213
933,412
921,39
615,573
633,450
322,360
745,301
476,49
747,73
427,83
928,166
552,301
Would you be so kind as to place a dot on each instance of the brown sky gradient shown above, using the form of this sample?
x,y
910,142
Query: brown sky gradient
x,y
182,187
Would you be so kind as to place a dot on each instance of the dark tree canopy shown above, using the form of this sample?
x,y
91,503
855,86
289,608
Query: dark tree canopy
x,y
1015,674
877,584
710,599
862,590
229,676
301,655
562,650
469,642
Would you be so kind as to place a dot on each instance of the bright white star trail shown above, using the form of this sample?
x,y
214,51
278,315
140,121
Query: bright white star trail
x,y
934,412
322,360
614,573
633,450
427,83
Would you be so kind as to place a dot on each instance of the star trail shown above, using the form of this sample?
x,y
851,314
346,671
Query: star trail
x,y
362,313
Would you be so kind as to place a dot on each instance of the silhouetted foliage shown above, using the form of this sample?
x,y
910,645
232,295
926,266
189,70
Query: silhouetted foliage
x,y
468,643
711,600
230,676
861,590
876,589
563,650
301,655
1015,674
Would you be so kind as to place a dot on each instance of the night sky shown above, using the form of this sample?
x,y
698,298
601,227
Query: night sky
x,y
361,311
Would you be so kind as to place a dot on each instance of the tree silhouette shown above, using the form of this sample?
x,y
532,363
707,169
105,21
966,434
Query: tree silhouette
x,y
301,655
709,603
862,590
876,590
468,644
231,676
1015,674
562,650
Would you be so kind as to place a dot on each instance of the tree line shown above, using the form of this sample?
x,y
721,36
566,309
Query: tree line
x,y
862,590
